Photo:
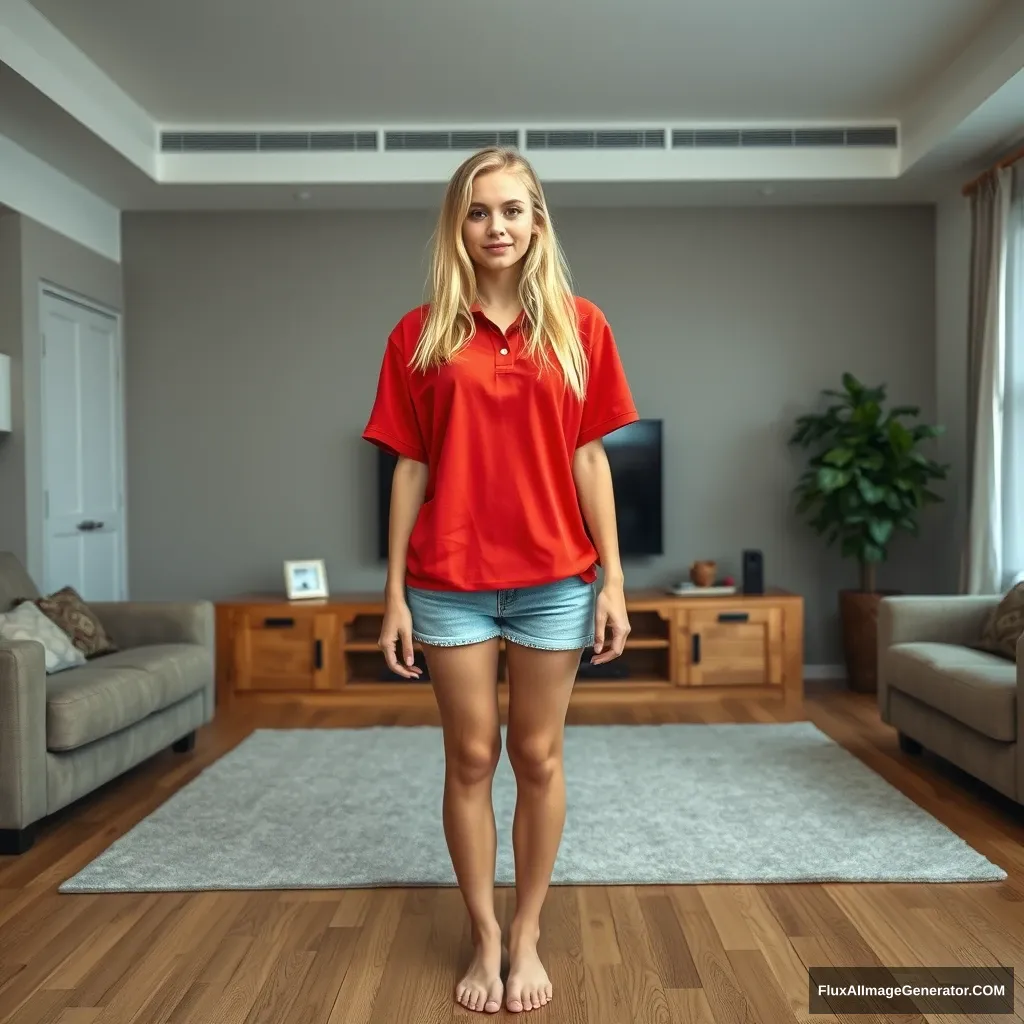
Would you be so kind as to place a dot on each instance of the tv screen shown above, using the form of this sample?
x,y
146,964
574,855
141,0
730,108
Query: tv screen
x,y
635,458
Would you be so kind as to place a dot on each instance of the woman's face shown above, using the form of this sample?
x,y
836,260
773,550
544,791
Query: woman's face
x,y
500,223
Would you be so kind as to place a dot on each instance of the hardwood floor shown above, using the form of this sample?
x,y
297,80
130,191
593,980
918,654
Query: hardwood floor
x,y
698,954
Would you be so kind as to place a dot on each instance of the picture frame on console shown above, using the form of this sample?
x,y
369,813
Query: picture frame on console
x,y
305,578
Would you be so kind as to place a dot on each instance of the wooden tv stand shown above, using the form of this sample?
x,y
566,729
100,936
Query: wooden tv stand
x,y
680,648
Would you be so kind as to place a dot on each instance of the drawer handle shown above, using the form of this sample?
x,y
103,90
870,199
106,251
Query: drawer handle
x,y
734,616
281,623
696,649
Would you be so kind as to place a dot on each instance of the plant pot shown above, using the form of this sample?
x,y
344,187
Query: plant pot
x,y
702,573
858,616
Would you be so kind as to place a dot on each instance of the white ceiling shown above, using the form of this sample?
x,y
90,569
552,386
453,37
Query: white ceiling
x,y
95,82
366,61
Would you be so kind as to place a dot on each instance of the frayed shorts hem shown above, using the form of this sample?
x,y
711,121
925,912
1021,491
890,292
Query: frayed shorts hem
x,y
550,645
447,641
516,638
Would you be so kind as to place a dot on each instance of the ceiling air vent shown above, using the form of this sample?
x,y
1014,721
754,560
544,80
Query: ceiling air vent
x,y
610,138
786,138
267,142
419,141
819,137
871,136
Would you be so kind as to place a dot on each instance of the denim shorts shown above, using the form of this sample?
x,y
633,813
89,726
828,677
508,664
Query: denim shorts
x,y
555,616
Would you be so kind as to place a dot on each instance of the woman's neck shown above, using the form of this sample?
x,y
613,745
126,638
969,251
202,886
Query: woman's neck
x,y
498,291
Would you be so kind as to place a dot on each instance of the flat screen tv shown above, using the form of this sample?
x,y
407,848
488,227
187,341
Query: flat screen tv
x,y
635,458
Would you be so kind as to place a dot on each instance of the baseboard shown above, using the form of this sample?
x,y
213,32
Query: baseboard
x,y
826,673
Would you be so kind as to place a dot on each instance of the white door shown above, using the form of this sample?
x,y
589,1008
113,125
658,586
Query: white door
x,y
83,460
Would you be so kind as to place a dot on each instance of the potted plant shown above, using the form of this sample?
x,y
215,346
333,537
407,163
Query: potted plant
x,y
866,480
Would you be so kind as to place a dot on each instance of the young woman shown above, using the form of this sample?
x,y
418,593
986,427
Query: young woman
x,y
495,396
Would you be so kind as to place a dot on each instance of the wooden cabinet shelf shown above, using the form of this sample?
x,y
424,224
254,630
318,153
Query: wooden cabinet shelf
x,y
679,648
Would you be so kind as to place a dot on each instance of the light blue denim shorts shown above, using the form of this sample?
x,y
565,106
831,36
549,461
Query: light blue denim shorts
x,y
555,616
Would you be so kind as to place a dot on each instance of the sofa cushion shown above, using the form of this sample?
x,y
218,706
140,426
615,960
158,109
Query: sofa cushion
x,y
117,690
78,620
974,687
27,622
1004,625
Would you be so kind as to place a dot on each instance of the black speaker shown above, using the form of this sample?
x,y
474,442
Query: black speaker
x,y
753,572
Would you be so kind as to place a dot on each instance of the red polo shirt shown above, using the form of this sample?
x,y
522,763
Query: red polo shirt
x,y
500,508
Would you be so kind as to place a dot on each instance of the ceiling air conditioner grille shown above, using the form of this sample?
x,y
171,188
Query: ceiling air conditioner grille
x,y
871,136
819,137
267,142
609,138
432,140
797,138
538,139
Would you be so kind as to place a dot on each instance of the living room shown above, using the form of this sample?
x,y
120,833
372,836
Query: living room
x,y
756,224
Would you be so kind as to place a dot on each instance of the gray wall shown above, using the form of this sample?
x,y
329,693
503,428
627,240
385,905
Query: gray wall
x,y
253,343
31,255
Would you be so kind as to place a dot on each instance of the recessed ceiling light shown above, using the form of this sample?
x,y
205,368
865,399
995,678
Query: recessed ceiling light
x,y
767,190
303,196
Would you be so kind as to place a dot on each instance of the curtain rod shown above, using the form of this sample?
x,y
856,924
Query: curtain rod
x,y
1011,158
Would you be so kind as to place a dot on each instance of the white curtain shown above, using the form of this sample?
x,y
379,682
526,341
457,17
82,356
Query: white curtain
x,y
1012,561
995,543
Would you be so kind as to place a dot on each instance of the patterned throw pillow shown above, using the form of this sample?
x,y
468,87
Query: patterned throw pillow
x,y
27,622
1004,625
67,609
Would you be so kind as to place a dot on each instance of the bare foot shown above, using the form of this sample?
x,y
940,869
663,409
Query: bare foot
x,y
481,987
529,987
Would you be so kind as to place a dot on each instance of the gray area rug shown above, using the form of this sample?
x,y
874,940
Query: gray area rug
x,y
660,804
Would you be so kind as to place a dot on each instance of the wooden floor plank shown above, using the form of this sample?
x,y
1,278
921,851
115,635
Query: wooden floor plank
x,y
708,954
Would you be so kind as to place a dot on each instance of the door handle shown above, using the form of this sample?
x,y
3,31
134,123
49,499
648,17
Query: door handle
x,y
90,524
695,653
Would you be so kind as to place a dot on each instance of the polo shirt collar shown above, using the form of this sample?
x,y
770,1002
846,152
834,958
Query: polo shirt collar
x,y
476,309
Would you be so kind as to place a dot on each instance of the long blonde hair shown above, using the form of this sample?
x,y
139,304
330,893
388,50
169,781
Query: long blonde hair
x,y
545,290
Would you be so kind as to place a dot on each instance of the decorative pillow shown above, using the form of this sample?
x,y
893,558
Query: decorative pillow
x,y
1004,625
27,622
67,609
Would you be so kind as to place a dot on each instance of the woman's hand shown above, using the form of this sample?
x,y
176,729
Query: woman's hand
x,y
610,613
396,636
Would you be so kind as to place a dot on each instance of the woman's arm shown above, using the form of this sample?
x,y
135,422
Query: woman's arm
x,y
593,477
408,486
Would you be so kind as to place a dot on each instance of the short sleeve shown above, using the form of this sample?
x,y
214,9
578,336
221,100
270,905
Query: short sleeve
x,y
609,403
393,424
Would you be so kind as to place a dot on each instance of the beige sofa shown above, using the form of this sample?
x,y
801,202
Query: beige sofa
x,y
65,733
943,694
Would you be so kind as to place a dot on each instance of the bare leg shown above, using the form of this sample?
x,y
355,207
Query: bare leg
x,y
540,684
465,685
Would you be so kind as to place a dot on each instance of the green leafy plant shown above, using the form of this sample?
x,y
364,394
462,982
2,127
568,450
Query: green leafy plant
x,y
867,478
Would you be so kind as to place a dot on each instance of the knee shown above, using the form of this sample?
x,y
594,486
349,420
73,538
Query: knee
x,y
534,760
474,761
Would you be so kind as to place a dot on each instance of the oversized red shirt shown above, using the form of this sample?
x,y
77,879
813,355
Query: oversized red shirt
x,y
500,508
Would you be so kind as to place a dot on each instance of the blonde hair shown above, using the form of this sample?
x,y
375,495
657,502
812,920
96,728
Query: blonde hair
x,y
550,318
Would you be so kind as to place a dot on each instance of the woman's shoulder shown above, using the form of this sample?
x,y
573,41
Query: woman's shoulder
x,y
589,312
407,330
591,320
